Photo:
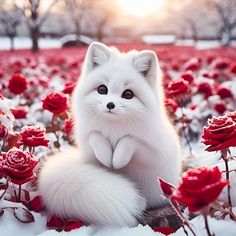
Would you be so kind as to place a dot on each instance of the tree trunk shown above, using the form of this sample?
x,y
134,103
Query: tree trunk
x,y
12,42
34,38
226,37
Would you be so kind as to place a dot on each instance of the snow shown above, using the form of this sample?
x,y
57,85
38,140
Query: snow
x,y
25,42
216,226
87,231
159,39
10,226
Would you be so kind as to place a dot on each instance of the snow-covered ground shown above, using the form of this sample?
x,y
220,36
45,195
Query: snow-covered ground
x,y
25,42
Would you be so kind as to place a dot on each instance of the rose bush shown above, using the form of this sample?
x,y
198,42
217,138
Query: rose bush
x,y
18,166
199,187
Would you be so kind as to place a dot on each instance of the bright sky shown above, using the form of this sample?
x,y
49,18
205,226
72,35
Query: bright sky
x,y
140,8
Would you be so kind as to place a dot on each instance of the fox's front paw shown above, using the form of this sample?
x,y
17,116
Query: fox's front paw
x,y
102,148
123,152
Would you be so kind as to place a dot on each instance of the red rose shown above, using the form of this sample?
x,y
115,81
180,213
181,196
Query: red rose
x,y
188,75
220,133
220,64
2,73
220,108
232,115
33,136
17,84
233,68
214,75
19,113
68,126
205,88
224,92
18,166
178,87
69,87
199,187
192,64
55,102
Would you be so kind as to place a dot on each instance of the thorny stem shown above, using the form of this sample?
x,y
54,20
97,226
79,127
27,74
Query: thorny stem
x,y
19,194
224,157
31,150
175,205
227,211
4,191
207,225
57,137
183,128
2,145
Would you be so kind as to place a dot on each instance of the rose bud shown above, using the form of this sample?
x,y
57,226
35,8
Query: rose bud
x,y
167,188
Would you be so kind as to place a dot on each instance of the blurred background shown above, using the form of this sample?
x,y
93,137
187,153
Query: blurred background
x,y
63,23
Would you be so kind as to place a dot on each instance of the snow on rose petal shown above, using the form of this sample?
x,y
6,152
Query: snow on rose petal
x,y
33,136
23,215
18,166
219,134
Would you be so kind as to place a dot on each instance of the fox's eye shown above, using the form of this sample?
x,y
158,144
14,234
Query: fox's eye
x,y
102,89
127,94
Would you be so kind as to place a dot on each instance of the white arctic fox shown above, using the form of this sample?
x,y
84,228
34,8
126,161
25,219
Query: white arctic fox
x,y
125,141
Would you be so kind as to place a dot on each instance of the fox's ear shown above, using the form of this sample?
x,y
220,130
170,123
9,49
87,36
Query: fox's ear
x,y
146,63
97,54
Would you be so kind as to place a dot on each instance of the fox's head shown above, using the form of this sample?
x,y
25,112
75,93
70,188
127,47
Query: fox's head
x,y
117,86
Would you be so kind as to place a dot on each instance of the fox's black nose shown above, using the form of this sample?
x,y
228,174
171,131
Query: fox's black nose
x,y
110,105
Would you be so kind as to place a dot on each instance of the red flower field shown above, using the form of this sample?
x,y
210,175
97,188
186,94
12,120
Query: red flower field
x,y
35,118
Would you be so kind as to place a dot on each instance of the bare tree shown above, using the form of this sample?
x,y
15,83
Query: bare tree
x,y
34,18
226,12
102,16
78,9
10,19
192,23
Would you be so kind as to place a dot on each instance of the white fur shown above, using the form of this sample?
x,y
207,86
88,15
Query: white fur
x,y
136,138
83,191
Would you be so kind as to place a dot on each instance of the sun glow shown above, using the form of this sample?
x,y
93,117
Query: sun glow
x,y
140,8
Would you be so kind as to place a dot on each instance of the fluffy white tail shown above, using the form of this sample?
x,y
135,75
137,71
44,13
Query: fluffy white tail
x,y
96,196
